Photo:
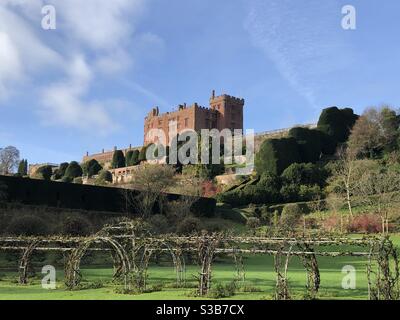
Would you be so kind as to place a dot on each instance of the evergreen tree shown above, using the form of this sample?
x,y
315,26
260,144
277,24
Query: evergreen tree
x,y
22,168
118,160
73,170
91,167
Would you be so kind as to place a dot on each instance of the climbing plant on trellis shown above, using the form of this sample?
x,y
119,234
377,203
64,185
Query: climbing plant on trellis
x,y
132,246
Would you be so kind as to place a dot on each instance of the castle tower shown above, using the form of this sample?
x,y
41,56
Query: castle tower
x,y
230,111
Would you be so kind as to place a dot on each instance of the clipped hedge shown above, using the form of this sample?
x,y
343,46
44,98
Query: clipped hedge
x,y
337,123
84,197
276,155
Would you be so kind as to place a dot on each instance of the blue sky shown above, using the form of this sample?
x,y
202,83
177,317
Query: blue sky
x,y
88,84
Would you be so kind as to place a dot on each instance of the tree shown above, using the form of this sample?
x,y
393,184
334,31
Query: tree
x,y
379,189
132,158
43,172
337,123
104,177
23,168
290,216
152,181
91,168
60,172
376,130
142,154
346,174
310,143
118,160
305,173
73,170
190,191
276,155
128,158
9,159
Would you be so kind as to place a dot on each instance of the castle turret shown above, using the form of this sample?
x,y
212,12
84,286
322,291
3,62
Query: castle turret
x,y
230,111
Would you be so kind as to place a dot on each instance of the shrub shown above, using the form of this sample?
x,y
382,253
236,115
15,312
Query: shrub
x,y
118,159
159,223
308,193
333,223
91,167
310,143
66,179
103,177
305,173
188,225
76,226
290,192
28,225
78,180
253,222
290,215
276,155
44,173
222,291
366,223
132,158
142,154
73,170
337,123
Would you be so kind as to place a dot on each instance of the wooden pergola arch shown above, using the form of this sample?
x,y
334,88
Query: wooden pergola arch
x,y
132,248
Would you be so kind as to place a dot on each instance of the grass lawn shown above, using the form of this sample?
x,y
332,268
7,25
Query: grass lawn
x,y
260,277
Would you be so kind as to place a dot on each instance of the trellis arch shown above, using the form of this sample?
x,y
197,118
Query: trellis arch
x,y
73,275
132,249
25,261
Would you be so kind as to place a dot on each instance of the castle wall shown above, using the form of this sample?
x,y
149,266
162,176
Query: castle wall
x,y
225,112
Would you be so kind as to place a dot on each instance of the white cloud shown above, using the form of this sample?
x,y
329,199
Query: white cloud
x,y
92,39
21,51
10,64
99,24
64,103
300,38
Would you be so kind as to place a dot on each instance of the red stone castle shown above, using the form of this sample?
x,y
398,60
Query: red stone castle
x,y
224,112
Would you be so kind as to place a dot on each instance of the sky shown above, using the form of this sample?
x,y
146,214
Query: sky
x,y
88,84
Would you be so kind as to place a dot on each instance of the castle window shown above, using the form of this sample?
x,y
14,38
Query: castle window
x,y
186,122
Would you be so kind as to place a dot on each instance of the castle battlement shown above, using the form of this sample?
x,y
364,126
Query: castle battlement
x,y
224,112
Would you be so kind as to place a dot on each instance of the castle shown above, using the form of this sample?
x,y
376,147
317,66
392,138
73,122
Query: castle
x,y
224,112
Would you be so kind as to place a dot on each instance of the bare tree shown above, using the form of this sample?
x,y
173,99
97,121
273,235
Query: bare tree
x,y
376,129
346,176
152,180
335,203
379,190
9,159
190,190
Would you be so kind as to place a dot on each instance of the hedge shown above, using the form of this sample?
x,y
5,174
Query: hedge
x,y
84,197
276,155
337,122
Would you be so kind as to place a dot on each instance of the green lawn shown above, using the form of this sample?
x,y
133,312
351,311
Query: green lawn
x,y
260,275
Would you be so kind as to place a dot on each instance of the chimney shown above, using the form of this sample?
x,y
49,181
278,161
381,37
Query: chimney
x,y
213,94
